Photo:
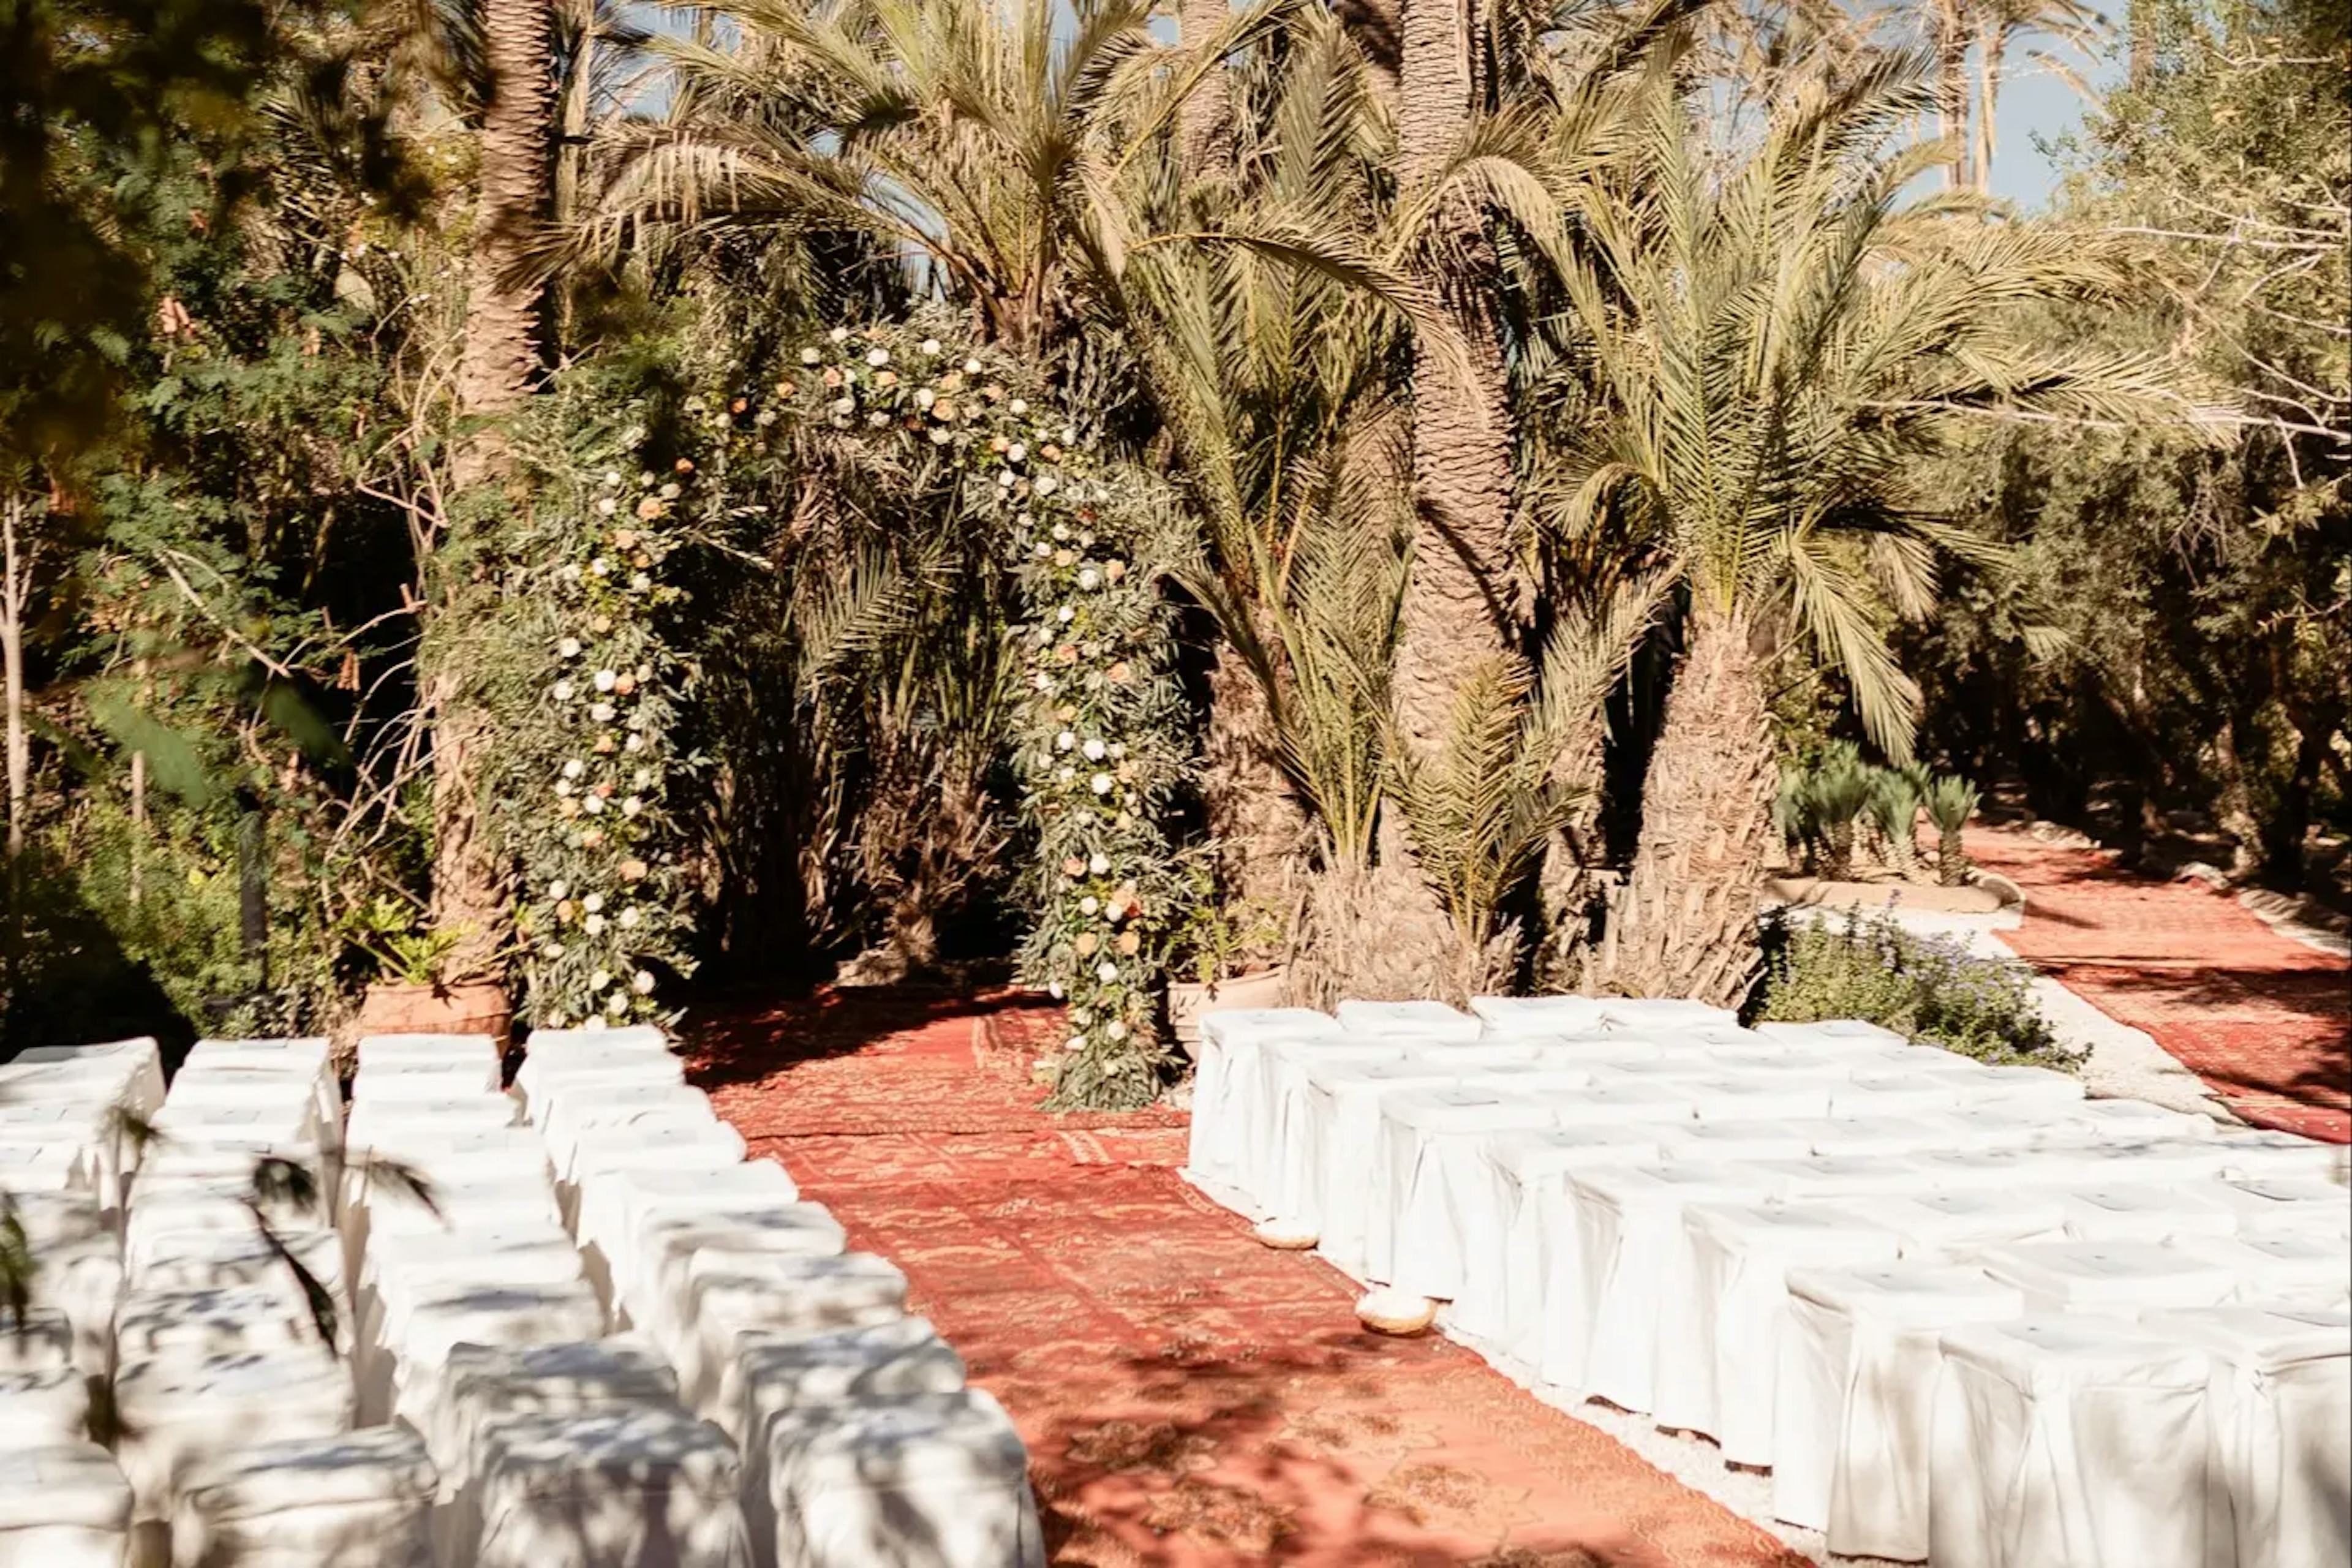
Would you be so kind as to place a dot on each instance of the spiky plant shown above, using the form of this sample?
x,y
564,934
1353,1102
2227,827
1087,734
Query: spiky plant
x,y
1838,793
1894,795
1781,326
1951,801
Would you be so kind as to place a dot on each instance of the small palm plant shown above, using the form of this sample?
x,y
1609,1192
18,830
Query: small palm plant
x,y
1837,793
1951,801
1895,795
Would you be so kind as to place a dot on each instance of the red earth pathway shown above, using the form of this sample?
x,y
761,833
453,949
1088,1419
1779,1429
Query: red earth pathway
x,y
1189,1398
2266,1022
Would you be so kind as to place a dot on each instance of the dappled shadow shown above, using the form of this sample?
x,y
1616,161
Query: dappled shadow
x,y
746,1041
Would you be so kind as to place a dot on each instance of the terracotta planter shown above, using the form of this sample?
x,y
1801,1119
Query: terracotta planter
x,y
468,1007
1188,999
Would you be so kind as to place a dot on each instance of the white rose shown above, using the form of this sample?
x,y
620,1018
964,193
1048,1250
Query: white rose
x,y
1115,1029
593,804
1098,863
640,582
1004,479
1074,1043
569,648
930,345
1064,740
1061,531
574,768
1106,971
941,437
1088,905
635,742
1042,681
617,1003
1054,989
839,334
593,925
562,786
643,780
669,492
810,356
592,902
630,917
1064,614
1100,783
1067,774
602,567
644,981
878,419
1046,486
1094,751
563,692
1070,434
1115,914
558,889
972,367
554,950
924,397
632,805
598,980
611,477
606,678
1018,406
607,506
602,712
1015,452
1090,578
1117,751
1044,552
571,572
645,672
877,358
844,405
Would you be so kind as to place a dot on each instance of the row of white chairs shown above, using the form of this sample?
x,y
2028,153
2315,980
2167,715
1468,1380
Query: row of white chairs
x,y
1725,1229
599,1337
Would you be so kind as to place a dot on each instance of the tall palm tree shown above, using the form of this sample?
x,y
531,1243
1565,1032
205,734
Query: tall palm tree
x,y
499,359
1778,336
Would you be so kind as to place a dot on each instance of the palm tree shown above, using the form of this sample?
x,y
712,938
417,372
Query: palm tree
x,y
1778,338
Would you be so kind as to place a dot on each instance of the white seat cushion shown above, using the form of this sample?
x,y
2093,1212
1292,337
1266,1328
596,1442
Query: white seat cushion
x,y
668,1245
1854,1407
176,1408
1961,1221
62,1505
2068,1440
2302,1204
938,1480
2123,1277
42,1407
729,1294
2145,1211
2279,1268
1420,1020
1540,1015
2252,1155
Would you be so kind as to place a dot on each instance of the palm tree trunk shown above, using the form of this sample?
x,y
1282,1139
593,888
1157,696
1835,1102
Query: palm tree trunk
x,y
16,592
1993,45
1684,924
1208,123
1952,90
1254,817
498,364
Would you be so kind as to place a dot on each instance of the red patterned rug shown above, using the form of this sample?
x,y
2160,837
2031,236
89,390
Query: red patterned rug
x,y
2264,1021
1189,1398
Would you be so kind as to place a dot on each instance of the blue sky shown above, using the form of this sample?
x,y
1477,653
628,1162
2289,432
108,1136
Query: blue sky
x,y
2037,102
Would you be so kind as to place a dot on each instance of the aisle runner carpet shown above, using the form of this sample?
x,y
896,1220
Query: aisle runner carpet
x,y
1189,1397
2265,1022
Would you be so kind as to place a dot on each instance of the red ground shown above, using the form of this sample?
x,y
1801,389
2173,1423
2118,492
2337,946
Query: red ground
x,y
1189,1397
2265,1022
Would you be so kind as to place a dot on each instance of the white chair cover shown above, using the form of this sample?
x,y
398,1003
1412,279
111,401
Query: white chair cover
x,y
1540,1015
2133,1120
729,1294
2064,1440
194,1325
2280,1268
2254,1155
1984,1129
1425,1215
1344,1103
1840,1176
1832,1032
539,1078
610,1488
1666,1012
401,1268
1720,1345
2302,1205
42,1407
669,1145
402,1050
421,1333
63,1505
2282,1407
1958,1223
616,1203
355,1499
1502,1299
668,1244
424,1081
1230,1038
80,1276
2017,1084
1601,1334
2145,1211
1748,1097
933,1480
176,1409
1899,1091
40,1340
1854,1408
850,1366
1758,1140
1285,1171
574,1115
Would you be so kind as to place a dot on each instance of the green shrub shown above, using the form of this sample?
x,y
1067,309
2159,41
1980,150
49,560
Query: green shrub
x,y
1928,988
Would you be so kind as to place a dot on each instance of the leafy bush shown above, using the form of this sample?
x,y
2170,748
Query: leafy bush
x,y
1929,988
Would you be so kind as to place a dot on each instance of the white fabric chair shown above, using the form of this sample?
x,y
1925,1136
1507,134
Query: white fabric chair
x,y
42,1165
441,1050
42,1407
1344,1103
1418,1020
311,1057
1601,1332
1230,1038
539,1079
1864,1137
1501,1303
785,1372
1853,1409
1985,1130
2066,1440
1899,1091
355,1499
2282,1412
1757,1140
2280,1268
575,1115
194,1325
1839,1177
1720,1343
40,1340
668,1245
2145,1212
730,1294
1283,1169
1424,1217
63,1505
1666,1012
2121,1277
1833,1031
400,1270
80,1276
2134,1120
420,1332
615,1203
933,1480
2018,1085
665,1145
2252,1155
137,1064
223,1260
176,1409
1749,1097
412,1082
614,1488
